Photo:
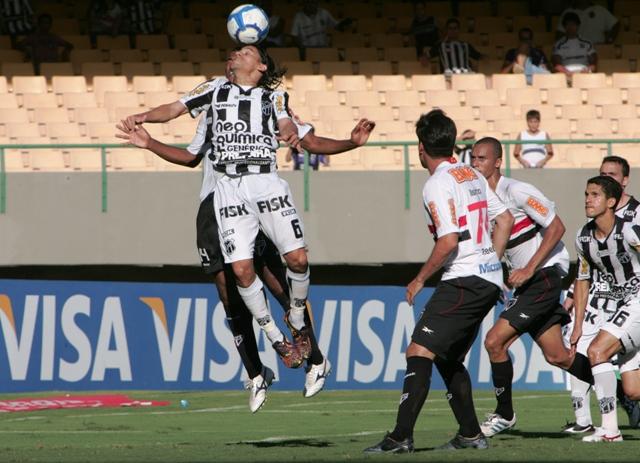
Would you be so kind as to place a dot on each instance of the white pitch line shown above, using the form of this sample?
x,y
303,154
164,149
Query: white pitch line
x,y
82,431
317,436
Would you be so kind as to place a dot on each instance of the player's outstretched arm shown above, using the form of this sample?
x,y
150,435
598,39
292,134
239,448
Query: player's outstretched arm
x,y
322,145
552,235
501,232
580,296
140,137
444,247
162,113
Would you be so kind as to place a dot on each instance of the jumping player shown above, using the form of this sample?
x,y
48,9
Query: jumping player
x,y
459,205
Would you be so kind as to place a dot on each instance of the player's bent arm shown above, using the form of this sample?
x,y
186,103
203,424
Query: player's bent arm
x,y
444,247
323,145
552,235
501,232
288,132
173,154
162,113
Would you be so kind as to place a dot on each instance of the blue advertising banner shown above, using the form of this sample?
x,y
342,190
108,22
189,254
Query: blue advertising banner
x,y
62,335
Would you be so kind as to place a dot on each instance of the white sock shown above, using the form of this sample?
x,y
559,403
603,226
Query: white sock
x,y
256,301
298,292
604,384
580,395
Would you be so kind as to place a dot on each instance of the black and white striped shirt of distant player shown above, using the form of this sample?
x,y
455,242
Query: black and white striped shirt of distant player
x,y
242,124
599,291
454,55
16,15
616,258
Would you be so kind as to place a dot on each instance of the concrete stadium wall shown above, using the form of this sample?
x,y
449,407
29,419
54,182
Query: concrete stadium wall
x,y
355,217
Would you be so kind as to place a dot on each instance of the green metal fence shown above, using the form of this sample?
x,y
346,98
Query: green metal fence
x,y
307,178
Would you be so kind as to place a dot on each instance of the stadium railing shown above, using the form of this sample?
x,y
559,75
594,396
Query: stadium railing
x,y
306,170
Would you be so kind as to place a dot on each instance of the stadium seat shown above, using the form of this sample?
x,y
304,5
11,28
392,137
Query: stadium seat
x,y
86,160
285,54
93,69
176,69
468,82
51,69
604,96
517,97
184,84
90,115
348,39
626,80
47,160
630,51
411,113
372,25
564,96
490,66
586,81
153,99
223,41
476,125
536,23
322,54
212,69
62,129
129,159
102,84
336,113
11,115
594,127
397,98
151,41
79,41
183,129
619,111
372,68
510,127
503,40
8,100
23,129
376,113
14,160
503,82
606,51
441,97
119,113
10,70
585,157
68,84
79,100
558,125
549,81
3,84
428,83
29,84
633,96
315,98
305,83
385,83
361,54
78,57
349,83
181,26
381,40
39,100
485,97
210,25
11,56
202,55
137,68
142,84
120,99
107,42
298,68
495,113
579,111
400,54
335,68
458,112
44,115
411,68
160,55
628,126
489,24
186,41
126,55
102,132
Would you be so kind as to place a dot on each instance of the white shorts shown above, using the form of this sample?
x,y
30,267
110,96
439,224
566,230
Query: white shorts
x,y
593,321
625,325
245,203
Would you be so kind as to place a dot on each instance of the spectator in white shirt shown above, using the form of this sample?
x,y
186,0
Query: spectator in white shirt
x,y
572,53
310,25
597,24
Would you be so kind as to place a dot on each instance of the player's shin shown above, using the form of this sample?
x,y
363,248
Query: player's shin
x,y
581,368
245,342
299,290
605,388
502,373
415,389
456,378
255,299
580,401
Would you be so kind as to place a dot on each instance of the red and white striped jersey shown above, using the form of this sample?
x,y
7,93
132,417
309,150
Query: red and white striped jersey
x,y
532,212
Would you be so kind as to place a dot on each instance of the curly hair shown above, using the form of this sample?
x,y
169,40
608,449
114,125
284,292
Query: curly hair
x,y
272,77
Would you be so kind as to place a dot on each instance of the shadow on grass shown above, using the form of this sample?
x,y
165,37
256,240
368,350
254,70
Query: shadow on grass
x,y
286,443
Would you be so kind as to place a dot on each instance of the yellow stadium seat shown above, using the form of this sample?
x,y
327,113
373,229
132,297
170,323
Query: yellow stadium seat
x,y
3,84
298,67
11,56
606,51
201,55
44,115
489,24
39,100
349,83
549,81
120,99
495,113
388,82
428,82
14,160
130,159
633,96
303,83
212,69
397,98
315,98
628,126
372,25
335,68
23,129
604,96
626,80
579,111
594,127
336,113
186,41
176,69
381,40
516,97
11,115
503,82
510,127
482,97
154,99
102,84
441,97
62,129
586,81
347,39
136,68
180,26
468,82
8,100
79,56
86,160
161,55
29,84
610,66
102,132
51,69
400,54
361,54
92,69
184,84
376,113
285,54
535,23
630,51
79,41
107,42
564,96
116,114
373,68
151,41
410,113
322,54
126,55
10,70
47,160
619,111
142,84
68,84
585,157
222,40
90,115
458,112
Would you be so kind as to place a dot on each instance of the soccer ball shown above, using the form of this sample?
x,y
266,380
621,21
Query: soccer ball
x,y
248,24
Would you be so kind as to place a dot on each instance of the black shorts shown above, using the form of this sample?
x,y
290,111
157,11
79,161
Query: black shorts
x,y
535,306
451,319
208,242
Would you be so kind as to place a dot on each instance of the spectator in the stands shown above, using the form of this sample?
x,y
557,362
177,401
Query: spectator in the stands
x,y
16,18
424,30
105,17
572,53
464,150
455,55
526,59
144,17
43,46
537,151
277,36
597,24
310,26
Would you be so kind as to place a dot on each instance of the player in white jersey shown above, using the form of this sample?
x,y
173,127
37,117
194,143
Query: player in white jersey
x,y
267,258
600,307
459,206
610,245
538,260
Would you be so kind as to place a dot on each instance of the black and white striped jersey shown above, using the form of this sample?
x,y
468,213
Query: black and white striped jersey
x,y
142,16
454,55
599,294
16,16
242,124
616,258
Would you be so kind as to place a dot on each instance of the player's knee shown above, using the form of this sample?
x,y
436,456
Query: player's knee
x,y
244,273
494,345
297,261
632,392
560,359
596,354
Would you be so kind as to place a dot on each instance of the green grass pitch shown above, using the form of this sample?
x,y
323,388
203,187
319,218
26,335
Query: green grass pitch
x,y
333,426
